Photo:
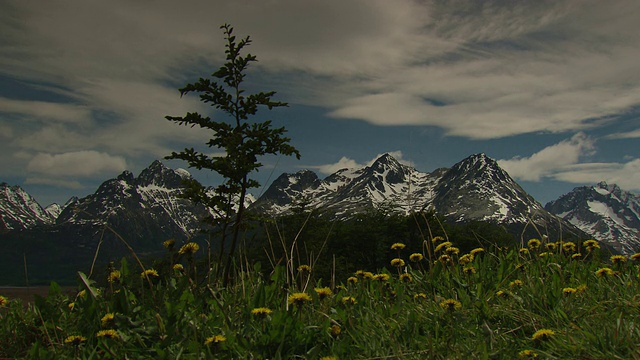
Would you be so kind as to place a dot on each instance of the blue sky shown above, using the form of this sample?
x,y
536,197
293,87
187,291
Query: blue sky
x,y
550,89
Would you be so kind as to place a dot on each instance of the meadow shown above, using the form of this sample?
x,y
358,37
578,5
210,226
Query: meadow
x,y
546,299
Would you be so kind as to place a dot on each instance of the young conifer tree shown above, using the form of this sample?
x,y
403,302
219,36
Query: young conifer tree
x,y
241,140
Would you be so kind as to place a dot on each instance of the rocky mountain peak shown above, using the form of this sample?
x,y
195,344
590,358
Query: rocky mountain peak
x,y
158,174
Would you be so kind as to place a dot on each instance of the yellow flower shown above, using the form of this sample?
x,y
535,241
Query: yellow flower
x,y
465,259
335,330
543,335
82,293
569,291
452,250
476,251
349,300
107,319
381,277
618,259
591,245
3,301
397,262
329,358
569,246
149,273
323,292
109,334
445,260
469,270
304,268
534,244
635,256
71,305
169,244
352,280
551,246
545,254
437,239
445,245
299,299
515,283
189,248
451,305
178,267
502,294
75,340
605,272
261,312
215,340
581,288
114,276
416,257
398,246
524,251
420,296
406,277
528,354
576,256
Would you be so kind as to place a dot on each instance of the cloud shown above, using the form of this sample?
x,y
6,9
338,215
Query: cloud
x,y
625,135
45,110
626,175
347,163
549,160
76,164
59,183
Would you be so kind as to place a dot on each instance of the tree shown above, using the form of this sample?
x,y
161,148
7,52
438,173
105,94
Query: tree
x,y
242,141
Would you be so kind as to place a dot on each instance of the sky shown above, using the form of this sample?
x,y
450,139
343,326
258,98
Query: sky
x,y
550,89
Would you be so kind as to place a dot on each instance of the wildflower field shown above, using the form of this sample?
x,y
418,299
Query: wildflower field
x,y
548,300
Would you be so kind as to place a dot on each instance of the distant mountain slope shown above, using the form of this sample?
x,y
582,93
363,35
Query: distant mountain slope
x,y
19,210
475,189
609,213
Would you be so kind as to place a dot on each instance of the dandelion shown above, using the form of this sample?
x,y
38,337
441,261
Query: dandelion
x,y
618,259
465,259
420,296
107,320
534,244
398,246
169,244
108,334
437,239
502,294
543,335
304,268
469,270
476,251
452,250
406,277
189,248
349,300
323,292
605,272
381,277
635,257
299,299
445,245
591,245
545,254
149,273
569,246
3,301
581,288
397,262
71,305
524,251
576,256
261,312
451,305
569,291
445,260
82,293
352,280
329,358
178,268
552,246
335,330
75,340
528,354
215,340
416,257
114,276
519,267
515,284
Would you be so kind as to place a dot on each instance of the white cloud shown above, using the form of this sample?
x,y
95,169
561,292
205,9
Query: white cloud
x,y
45,110
626,175
59,183
76,164
625,135
549,160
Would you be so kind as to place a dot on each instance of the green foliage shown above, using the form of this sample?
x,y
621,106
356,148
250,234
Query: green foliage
x,y
547,300
241,141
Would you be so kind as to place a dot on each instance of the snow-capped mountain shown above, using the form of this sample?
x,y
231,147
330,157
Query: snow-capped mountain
x,y
19,210
475,189
609,213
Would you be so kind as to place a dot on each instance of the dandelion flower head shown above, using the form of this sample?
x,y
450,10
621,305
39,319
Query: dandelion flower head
x,y
398,246
189,248
543,335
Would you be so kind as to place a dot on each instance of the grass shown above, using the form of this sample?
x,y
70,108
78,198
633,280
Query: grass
x,y
544,302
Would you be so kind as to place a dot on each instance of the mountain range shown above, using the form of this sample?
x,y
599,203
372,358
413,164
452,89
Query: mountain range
x,y
148,209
